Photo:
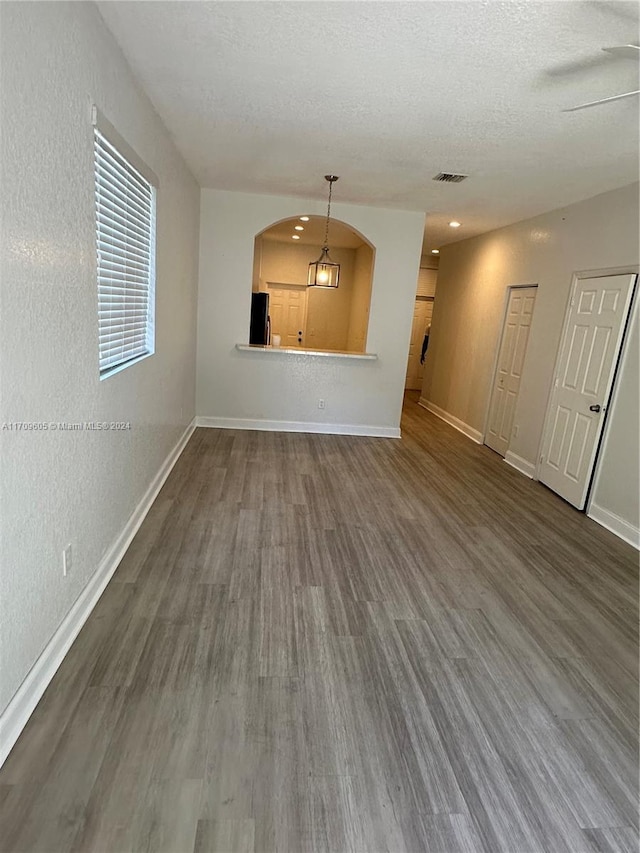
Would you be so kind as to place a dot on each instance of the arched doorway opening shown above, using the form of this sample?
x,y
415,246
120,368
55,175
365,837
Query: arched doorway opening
x,y
313,318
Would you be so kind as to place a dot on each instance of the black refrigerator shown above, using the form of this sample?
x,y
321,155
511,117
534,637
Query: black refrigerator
x,y
259,332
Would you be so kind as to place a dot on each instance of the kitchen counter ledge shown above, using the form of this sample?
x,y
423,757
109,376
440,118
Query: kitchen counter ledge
x,y
367,356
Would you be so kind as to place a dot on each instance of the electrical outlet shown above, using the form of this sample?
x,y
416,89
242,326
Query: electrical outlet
x,y
66,560
516,430
321,404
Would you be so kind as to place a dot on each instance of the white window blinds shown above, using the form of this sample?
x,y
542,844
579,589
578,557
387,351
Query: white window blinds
x,y
125,237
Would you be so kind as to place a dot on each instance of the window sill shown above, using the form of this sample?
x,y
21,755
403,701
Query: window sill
x,y
118,368
363,356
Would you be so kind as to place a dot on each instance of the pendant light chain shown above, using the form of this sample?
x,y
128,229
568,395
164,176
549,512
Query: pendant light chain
x,y
324,272
326,227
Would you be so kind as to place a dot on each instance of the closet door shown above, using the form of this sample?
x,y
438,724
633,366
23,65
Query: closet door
x,y
421,318
288,312
506,382
591,342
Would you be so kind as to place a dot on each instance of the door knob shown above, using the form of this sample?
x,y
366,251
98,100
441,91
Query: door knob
x,y
595,408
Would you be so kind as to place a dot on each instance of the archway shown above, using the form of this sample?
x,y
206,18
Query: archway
x,y
313,318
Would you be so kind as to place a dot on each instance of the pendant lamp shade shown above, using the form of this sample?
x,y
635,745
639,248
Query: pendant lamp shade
x,y
324,272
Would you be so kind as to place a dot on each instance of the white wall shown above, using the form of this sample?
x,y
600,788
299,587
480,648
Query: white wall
x,y
78,487
616,493
280,387
599,233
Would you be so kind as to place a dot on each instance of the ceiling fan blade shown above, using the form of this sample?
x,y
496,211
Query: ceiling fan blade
x,y
619,51
629,51
601,101
577,66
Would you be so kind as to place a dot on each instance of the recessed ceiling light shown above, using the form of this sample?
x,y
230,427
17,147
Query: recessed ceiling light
x,y
454,224
295,236
304,219
435,251
299,228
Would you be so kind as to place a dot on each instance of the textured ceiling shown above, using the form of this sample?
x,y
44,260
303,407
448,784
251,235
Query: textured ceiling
x,y
268,97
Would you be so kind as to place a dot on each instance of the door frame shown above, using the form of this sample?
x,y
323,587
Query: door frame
x,y
496,356
581,275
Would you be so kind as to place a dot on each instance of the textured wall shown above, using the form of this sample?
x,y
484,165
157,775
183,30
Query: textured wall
x,y
236,384
599,233
78,487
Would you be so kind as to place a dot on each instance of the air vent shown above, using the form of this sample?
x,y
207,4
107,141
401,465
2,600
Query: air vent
x,y
449,177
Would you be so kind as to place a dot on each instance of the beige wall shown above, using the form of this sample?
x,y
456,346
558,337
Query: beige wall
x,y
360,300
328,310
256,279
430,262
288,263
599,233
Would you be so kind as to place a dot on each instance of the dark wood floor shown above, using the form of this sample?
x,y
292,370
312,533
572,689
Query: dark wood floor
x,y
325,643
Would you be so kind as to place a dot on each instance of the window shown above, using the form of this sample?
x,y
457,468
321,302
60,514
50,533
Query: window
x,y
125,200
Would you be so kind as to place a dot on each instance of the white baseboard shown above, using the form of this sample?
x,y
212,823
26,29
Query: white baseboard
x,y
297,426
456,423
523,465
615,524
16,715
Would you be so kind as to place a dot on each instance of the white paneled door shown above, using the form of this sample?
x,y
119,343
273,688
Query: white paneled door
x,y
506,383
422,313
591,343
288,312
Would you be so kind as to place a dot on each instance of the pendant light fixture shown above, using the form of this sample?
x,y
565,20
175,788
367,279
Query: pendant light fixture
x,y
324,272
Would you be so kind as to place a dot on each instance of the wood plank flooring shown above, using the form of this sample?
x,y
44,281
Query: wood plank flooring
x,y
325,643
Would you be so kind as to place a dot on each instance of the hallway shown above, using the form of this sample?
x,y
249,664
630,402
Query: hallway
x,y
332,643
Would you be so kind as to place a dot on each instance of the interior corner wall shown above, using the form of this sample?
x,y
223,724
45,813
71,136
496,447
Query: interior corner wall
x,y
256,280
429,262
359,314
256,386
597,234
78,487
